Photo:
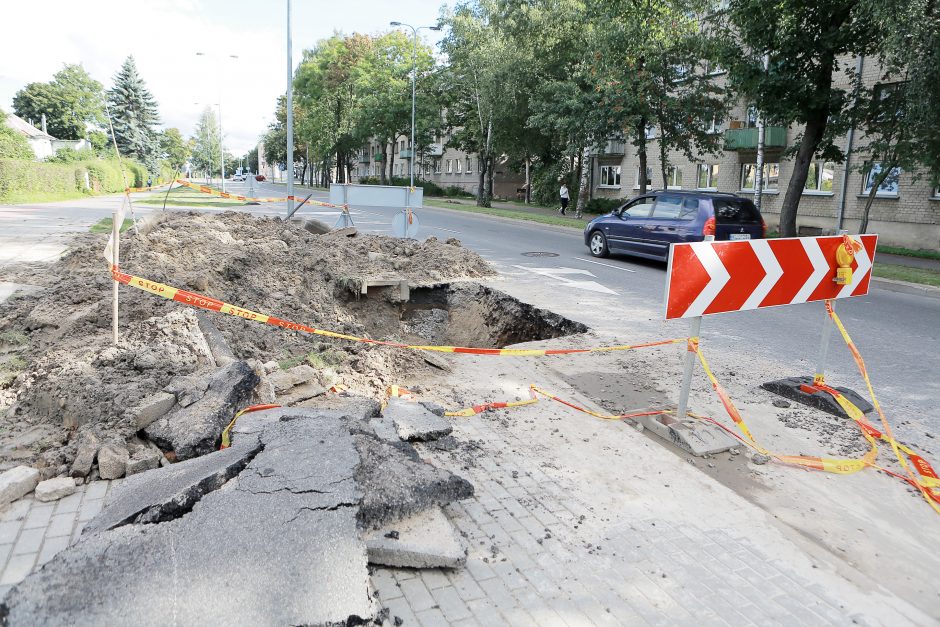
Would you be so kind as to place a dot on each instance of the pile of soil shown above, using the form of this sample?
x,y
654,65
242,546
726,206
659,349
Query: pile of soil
x,y
62,374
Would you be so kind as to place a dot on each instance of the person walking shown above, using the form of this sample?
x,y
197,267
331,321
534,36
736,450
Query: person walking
x,y
563,192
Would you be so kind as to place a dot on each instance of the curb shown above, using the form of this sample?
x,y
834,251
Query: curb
x,y
905,287
554,227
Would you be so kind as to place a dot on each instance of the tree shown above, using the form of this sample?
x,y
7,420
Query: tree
x,y
205,149
806,42
12,144
134,115
72,102
479,73
174,149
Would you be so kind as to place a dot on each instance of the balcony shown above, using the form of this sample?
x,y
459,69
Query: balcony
x,y
404,153
364,157
434,150
746,138
614,147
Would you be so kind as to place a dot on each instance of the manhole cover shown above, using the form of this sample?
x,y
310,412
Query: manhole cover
x,y
539,253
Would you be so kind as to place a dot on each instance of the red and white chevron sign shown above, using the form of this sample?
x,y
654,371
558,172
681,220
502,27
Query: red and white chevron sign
x,y
716,277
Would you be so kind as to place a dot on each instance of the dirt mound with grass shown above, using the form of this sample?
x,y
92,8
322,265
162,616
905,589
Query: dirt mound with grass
x,y
61,376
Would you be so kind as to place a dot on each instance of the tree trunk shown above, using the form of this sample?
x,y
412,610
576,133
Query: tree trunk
x,y
481,181
391,165
875,186
641,153
489,180
812,135
583,185
663,160
528,180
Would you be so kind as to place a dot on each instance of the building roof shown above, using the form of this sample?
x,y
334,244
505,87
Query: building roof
x,y
22,126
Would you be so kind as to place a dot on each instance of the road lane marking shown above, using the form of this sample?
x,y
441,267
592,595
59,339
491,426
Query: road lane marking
x,y
438,228
559,274
606,265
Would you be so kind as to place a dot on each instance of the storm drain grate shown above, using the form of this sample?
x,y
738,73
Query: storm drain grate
x,y
539,253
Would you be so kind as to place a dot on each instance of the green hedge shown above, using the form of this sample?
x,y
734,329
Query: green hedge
x,y
430,187
19,179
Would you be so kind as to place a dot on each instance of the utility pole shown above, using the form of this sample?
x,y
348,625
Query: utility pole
x,y
290,117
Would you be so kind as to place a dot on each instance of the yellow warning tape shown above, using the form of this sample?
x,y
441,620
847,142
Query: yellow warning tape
x,y
206,302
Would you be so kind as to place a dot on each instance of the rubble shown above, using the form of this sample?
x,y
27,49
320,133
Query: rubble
x,y
112,461
196,428
281,508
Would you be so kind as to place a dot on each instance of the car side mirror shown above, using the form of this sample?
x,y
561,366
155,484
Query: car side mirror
x,y
623,215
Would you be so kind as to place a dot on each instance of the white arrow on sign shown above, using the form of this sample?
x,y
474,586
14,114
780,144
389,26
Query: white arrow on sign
x,y
559,275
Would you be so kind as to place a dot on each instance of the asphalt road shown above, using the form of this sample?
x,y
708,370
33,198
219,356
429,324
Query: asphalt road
x,y
898,334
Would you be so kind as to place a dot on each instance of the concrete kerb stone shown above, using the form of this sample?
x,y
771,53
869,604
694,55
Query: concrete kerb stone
x,y
151,408
424,540
112,461
55,489
17,483
414,422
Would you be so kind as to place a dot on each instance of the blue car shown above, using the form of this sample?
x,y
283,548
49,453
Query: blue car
x,y
647,225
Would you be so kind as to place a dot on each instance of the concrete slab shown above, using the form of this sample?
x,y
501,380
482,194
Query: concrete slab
x,y
425,540
414,422
791,388
696,437
17,482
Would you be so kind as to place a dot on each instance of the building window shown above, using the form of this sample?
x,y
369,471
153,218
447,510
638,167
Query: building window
x,y
751,116
649,177
708,175
469,166
715,126
771,176
459,165
437,166
674,177
936,191
819,178
427,168
650,132
888,187
450,166
610,176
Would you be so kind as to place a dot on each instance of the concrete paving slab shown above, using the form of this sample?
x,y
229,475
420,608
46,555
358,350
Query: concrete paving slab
x,y
425,540
414,422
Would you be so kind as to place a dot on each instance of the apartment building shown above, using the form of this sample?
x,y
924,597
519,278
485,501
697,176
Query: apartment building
x,y
904,213
439,164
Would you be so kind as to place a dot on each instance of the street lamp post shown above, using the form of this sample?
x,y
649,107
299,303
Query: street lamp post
x,y
290,117
414,78
221,147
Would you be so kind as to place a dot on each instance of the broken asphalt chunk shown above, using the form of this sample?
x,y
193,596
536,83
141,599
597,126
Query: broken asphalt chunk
x,y
414,422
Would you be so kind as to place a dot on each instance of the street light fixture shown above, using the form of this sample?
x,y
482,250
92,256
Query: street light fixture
x,y
221,147
414,78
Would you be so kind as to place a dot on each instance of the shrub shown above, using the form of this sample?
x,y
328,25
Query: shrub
x,y
602,205
18,177
12,144
68,155
430,187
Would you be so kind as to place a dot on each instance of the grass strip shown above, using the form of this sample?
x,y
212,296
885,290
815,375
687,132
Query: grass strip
x,y
104,225
510,213
909,252
185,197
905,273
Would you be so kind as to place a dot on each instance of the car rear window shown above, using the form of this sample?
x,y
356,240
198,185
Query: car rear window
x,y
735,211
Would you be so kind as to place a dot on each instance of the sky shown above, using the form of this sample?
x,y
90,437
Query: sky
x,y
164,37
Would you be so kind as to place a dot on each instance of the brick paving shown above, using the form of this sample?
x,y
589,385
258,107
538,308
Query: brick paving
x,y
32,532
541,554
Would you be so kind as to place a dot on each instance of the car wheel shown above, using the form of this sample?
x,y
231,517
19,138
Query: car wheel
x,y
598,244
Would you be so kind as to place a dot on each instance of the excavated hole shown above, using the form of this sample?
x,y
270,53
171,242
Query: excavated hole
x,y
459,314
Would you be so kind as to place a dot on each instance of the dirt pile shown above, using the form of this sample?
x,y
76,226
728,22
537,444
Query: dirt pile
x,y
64,381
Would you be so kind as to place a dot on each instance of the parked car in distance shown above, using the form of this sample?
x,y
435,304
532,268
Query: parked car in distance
x,y
646,226
239,177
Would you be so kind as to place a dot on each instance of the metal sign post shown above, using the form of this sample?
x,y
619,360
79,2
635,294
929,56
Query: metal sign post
x,y
688,364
